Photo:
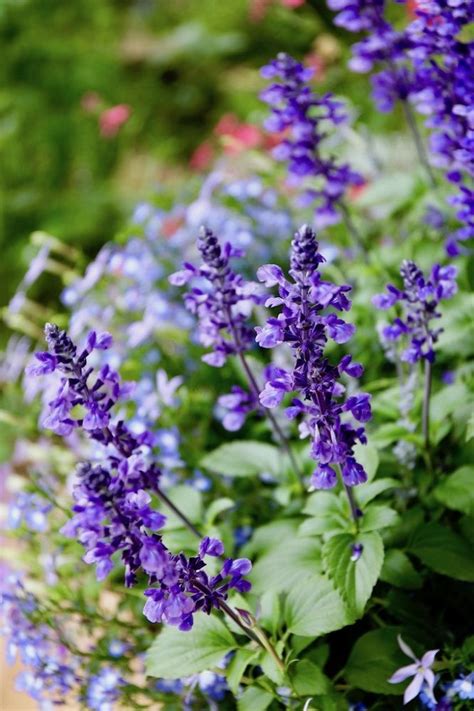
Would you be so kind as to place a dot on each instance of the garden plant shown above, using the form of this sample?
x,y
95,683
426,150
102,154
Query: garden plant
x,y
241,473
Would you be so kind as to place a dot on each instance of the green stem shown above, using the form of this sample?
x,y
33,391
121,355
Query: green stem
x,y
426,410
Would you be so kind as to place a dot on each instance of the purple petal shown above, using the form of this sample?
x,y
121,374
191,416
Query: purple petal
x,y
413,689
403,673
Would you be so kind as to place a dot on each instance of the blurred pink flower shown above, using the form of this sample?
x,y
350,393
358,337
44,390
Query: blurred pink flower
x,y
112,119
292,3
423,675
202,156
237,136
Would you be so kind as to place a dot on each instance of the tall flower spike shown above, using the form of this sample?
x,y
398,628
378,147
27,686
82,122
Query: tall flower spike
x,y
306,322
305,116
112,511
222,302
419,300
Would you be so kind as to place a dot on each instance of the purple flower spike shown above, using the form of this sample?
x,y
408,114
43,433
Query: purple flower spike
x,y
113,514
223,307
419,300
305,324
305,116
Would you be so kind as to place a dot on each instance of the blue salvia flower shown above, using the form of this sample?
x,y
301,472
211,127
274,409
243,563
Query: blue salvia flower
x,y
306,321
112,511
305,116
419,300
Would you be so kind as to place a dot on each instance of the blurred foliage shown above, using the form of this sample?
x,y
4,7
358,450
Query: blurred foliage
x,y
178,65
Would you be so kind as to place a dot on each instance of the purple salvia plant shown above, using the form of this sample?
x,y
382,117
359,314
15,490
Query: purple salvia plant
x,y
419,300
112,511
383,45
444,66
222,301
306,321
223,305
297,110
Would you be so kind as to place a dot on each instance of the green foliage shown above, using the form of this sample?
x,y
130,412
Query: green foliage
x,y
354,579
174,654
313,608
443,551
373,659
243,458
456,491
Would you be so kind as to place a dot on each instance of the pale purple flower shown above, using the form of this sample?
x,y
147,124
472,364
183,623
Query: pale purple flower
x,y
421,671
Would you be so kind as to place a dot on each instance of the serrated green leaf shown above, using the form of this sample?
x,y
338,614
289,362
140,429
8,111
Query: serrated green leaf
x,y
373,659
457,490
326,513
237,666
443,551
370,490
243,458
377,517
254,699
175,654
308,679
354,579
398,570
286,565
314,607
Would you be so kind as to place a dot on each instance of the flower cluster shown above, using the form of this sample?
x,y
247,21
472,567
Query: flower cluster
x,y
303,115
383,45
305,325
113,511
50,672
222,303
103,690
429,63
419,299
443,63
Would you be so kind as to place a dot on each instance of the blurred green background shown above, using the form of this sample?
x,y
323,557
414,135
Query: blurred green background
x,y
176,65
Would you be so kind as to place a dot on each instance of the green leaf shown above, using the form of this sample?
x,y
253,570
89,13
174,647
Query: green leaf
x,y
354,579
269,536
376,517
398,570
254,699
271,669
238,665
388,193
327,514
286,565
175,654
308,679
372,489
457,491
373,659
243,458
217,507
470,428
443,551
368,456
314,607
187,500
